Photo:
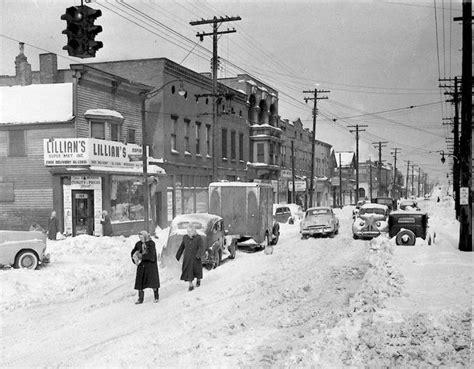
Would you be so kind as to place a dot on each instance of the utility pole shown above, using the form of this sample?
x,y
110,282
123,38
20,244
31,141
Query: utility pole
x,y
357,130
380,145
465,144
293,192
412,180
370,184
406,186
395,152
419,181
315,99
216,22
340,181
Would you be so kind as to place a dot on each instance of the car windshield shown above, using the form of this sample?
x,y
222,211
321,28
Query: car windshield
x,y
315,212
385,201
372,211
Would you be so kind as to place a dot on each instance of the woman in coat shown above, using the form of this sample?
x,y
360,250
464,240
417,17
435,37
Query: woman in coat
x,y
192,246
53,226
144,256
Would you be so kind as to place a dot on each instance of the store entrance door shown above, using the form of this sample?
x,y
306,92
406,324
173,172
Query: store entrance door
x,y
83,212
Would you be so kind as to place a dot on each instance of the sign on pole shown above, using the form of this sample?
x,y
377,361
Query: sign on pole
x,y
464,196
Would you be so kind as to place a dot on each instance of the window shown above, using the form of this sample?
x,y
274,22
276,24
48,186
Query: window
x,y
187,124
174,129
198,138
260,153
16,143
232,145
98,130
126,199
114,132
131,136
208,139
241,146
224,143
7,193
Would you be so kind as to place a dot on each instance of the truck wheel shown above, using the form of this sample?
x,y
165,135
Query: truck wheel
x,y
354,236
217,258
265,242
275,240
233,249
26,260
405,238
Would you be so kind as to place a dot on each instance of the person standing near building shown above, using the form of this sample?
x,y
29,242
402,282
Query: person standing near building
x,y
106,224
144,256
193,247
53,226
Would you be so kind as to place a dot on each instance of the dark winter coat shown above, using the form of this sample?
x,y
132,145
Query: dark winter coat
x,y
147,271
53,227
193,248
106,226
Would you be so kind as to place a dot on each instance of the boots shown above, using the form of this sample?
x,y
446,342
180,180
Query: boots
x,y
141,295
157,295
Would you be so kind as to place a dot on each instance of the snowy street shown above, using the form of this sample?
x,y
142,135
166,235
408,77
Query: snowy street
x,y
322,302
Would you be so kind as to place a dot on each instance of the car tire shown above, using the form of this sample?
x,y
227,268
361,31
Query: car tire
x,y
304,237
26,260
405,238
233,249
217,258
277,237
354,236
291,221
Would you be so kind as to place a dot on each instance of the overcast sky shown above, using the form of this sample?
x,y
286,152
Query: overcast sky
x,y
373,57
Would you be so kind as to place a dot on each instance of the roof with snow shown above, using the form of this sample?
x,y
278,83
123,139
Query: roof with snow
x,y
43,103
104,113
346,158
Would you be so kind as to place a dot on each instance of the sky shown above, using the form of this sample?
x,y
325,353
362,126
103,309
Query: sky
x,y
380,60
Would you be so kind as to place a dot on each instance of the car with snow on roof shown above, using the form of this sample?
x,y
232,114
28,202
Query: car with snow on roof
x,y
407,225
319,221
23,249
370,221
211,228
408,204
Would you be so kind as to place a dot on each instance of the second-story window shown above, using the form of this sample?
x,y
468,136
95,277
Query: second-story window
x,y
131,136
224,143
208,139
260,153
16,143
232,145
174,130
241,146
187,124
98,130
114,132
198,138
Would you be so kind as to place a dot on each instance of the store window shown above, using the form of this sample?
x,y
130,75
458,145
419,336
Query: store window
x,y
16,143
126,199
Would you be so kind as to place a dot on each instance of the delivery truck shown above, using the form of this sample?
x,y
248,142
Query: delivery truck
x,y
247,210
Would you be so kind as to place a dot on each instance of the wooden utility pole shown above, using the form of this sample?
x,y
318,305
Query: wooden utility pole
x,y
412,180
357,130
216,22
370,184
465,144
340,181
380,145
419,181
406,186
396,150
315,99
293,192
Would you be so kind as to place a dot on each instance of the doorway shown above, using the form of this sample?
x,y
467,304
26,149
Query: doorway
x,y
82,212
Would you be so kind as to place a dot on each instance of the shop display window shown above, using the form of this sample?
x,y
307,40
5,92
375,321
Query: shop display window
x,y
126,199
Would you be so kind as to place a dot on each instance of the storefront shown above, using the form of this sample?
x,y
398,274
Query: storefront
x,y
95,175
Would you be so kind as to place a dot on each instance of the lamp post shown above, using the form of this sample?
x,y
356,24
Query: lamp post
x,y
145,96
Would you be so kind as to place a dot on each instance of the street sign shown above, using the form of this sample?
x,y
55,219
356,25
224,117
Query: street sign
x,y
300,186
464,196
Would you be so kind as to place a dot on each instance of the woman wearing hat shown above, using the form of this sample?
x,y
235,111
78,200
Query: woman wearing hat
x,y
144,256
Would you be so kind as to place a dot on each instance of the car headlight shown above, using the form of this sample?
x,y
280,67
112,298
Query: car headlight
x,y
362,223
378,224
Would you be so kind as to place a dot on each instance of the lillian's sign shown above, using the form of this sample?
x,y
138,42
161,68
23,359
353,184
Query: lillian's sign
x,y
88,151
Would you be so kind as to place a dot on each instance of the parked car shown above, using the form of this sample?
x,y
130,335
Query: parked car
x,y
319,221
210,227
297,211
371,221
23,249
406,226
390,202
357,208
408,205
282,214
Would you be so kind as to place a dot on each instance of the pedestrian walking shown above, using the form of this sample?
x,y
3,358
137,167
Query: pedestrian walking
x,y
106,224
192,246
53,226
144,256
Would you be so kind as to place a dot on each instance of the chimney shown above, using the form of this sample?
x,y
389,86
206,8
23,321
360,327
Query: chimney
x,y
48,68
22,67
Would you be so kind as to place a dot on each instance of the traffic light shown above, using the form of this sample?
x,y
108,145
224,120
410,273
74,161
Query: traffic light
x,y
81,31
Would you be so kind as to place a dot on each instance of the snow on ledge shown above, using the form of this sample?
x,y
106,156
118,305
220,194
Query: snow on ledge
x,y
104,113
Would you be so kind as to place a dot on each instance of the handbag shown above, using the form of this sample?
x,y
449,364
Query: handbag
x,y
137,257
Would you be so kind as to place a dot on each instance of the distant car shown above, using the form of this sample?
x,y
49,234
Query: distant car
x,y
297,211
371,221
211,228
319,221
390,202
408,205
406,226
282,214
23,249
